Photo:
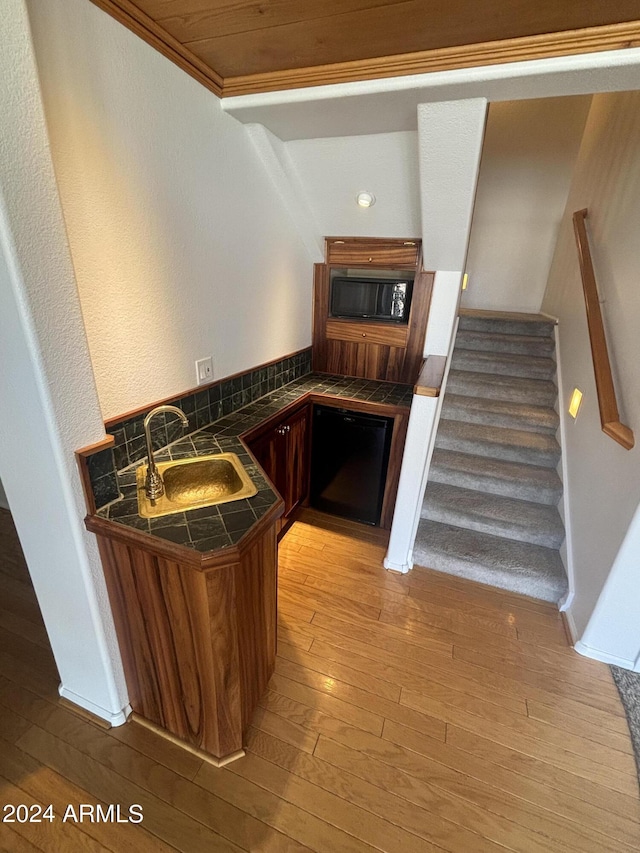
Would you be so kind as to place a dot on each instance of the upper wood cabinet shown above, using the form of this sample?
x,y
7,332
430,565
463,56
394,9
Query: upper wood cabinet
x,y
370,251
362,348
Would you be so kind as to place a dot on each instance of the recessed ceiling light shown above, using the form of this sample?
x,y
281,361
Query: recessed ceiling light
x,y
366,199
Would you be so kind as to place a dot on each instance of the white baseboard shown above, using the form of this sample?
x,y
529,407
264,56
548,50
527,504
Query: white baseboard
x,y
403,568
605,657
117,718
565,603
568,618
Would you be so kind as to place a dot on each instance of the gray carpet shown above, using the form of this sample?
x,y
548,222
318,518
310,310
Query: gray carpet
x,y
490,509
628,684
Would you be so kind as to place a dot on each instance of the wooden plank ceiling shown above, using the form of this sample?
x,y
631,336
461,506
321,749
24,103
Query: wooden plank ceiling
x,y
241,46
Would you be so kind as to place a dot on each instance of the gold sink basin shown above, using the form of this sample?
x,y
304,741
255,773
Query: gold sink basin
x,y
193,483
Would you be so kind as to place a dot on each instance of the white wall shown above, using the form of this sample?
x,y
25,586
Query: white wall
x,y
450,141
603,478
48,401
528,157
181,244
333,171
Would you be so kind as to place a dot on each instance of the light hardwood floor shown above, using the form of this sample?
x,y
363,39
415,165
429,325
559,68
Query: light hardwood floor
x,y
416,713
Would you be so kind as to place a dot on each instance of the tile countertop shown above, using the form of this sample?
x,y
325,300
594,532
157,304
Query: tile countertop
x,y
220,526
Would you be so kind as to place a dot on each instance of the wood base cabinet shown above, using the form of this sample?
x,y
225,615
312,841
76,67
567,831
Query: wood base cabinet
x,y
283,451
198,643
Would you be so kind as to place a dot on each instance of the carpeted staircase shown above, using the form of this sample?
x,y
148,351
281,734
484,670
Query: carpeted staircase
x,y
490,508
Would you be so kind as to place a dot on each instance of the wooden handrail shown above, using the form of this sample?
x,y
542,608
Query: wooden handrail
x,y
609,415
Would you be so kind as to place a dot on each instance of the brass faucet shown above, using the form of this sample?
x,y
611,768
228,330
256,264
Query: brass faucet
x,y
153,485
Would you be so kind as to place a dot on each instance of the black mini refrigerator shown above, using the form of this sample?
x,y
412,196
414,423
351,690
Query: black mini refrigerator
x,y
349,461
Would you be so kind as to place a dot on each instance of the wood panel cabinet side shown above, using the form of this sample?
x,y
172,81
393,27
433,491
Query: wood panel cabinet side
x,y
256,608
320,312
417,328
400,424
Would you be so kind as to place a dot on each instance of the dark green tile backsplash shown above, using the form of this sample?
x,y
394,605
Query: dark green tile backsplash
x,y
201,408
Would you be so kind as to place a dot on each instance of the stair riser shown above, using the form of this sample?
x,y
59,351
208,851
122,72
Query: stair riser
x,y
455,412
493,527
544,396
544,590
495,486
527,455
541,348
505,327
474,362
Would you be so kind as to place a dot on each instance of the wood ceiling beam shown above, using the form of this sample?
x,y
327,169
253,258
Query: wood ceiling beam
x,y
565,43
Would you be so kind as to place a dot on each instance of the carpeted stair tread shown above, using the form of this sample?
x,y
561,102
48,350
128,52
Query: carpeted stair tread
x,y
536,392
497,515
502,325
496,476
505,563
508,444
503,364
502,413
533,345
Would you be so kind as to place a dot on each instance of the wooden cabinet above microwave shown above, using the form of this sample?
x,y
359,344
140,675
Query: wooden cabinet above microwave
x,y
366,347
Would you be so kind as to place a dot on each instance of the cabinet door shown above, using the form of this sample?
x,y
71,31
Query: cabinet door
x,y
295,432
265,449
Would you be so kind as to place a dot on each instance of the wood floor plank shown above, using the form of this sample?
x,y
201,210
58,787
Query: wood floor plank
x,y
285,729
324,601
599,691
360,699
369,633
500,816
296,664
416,712
179,812
553,790
448,617
50,835
50,788
579,726
304,828
327,704
13,842
573,670
608,767
22,627
322,787
416,675
330,562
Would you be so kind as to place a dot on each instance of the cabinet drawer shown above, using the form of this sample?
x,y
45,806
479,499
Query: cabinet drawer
x,y
381,253
367,333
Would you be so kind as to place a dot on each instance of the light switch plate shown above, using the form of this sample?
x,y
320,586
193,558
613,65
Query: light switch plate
x,y
204,370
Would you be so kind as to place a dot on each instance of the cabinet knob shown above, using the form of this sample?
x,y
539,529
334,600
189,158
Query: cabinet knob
x,y
364,334
370,260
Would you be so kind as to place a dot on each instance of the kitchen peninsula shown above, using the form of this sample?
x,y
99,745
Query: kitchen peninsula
x,y
194,594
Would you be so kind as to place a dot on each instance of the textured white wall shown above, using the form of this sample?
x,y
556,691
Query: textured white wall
x,y
48,401
181,243
603,478
529,151
331,172
450,142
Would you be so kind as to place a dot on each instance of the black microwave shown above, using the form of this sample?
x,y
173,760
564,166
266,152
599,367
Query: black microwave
x,y
380,299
